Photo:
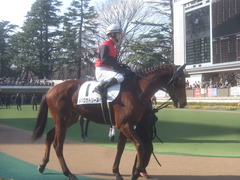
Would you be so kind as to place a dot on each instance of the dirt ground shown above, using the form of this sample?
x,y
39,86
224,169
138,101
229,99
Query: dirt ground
x,y
95,161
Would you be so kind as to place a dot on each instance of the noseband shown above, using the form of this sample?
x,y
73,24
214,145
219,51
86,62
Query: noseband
x,y
172,83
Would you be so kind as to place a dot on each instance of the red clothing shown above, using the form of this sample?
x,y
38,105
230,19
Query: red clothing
x,y
107,55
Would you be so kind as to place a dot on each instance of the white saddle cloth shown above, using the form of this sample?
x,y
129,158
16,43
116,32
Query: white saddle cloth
x,y
86,95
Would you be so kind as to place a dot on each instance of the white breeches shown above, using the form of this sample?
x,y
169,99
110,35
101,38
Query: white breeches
x,y
104,74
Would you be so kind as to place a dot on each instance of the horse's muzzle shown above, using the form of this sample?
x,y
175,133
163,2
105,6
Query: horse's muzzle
x,y
180,104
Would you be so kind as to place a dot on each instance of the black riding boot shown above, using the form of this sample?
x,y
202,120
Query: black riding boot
x,y
103,86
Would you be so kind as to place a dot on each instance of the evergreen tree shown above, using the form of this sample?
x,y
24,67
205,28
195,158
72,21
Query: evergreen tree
x,y
22,58
6,30
150,49
79,35
164,9
40,36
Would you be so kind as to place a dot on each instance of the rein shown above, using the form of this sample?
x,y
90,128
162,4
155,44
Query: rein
x,y
163,105
155,110
155,157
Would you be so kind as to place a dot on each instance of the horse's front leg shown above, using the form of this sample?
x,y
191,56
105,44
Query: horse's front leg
x,y
132,136
120,148
148,147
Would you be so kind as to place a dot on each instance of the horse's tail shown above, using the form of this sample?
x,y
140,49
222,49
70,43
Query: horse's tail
x,y
41,120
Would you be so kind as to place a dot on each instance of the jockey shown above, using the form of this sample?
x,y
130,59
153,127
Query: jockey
x,y
106,63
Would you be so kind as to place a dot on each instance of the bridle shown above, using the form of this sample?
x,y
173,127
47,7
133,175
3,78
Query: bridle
x,y
173,82
171,85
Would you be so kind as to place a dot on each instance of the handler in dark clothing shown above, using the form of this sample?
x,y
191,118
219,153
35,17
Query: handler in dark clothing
x,y
19,102
145,131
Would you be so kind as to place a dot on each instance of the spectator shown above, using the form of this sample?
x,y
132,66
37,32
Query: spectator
x,y
210,83
7,101
221,82
187,83
18,101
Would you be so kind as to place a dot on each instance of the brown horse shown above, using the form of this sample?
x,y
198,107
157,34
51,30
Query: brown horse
x,y
127,110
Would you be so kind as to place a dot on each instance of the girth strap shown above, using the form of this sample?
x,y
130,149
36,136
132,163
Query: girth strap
x,y
106,110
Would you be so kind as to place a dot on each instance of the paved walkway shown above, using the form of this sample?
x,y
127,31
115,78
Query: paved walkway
x,y
96,161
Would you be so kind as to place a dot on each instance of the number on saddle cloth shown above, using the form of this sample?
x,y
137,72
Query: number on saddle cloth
x,y
87,96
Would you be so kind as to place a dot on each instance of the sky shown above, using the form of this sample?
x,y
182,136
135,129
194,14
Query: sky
x,y
16,10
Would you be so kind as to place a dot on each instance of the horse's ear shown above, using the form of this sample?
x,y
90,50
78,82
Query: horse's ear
x,y
185,71
181,68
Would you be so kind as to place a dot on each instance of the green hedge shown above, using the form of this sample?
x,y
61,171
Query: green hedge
x,y
210,105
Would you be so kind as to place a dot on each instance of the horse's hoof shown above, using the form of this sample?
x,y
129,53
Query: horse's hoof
x,y
134,177
119,177
41,168
73,177
144,175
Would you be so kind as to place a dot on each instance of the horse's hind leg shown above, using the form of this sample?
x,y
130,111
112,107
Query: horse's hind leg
x,y
48,143
61,125
61,130
58,146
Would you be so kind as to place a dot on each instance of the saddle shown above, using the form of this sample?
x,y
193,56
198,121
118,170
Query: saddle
x,y
87,96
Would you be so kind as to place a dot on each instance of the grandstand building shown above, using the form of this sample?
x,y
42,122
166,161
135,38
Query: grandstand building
x,y
207,38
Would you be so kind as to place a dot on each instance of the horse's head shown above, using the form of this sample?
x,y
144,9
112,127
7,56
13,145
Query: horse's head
x,y
167,77
176,87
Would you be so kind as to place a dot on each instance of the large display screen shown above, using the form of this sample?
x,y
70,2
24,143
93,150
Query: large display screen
x,y
198,36
226,31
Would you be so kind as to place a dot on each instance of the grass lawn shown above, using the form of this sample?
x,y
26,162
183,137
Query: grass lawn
x,y
185,132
